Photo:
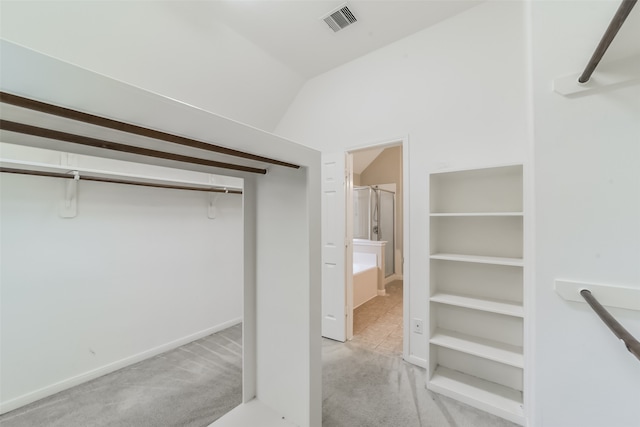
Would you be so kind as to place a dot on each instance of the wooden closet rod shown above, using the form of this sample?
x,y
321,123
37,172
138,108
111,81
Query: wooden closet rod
x,y
116,181
615,25
68,113
100,143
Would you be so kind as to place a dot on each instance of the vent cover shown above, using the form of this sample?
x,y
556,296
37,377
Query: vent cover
x,y
340,19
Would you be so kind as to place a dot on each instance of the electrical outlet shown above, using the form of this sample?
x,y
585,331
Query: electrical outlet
x,y
416,326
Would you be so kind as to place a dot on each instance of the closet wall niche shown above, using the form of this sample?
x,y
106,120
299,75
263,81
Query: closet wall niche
x,y
476,286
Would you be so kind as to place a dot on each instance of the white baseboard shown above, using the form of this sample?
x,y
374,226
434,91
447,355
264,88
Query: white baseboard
x,y
364,302
418,361
49,390
392,278
252,413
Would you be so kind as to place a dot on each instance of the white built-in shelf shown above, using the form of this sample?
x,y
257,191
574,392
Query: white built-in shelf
x,y
475,214
476,311
515,262
507,308
494,398
481,347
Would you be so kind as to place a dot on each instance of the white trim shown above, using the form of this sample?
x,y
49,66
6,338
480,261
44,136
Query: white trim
x,y
612,75
471,167
392,278
529,221
33,396
406,240
252,413
383,143
626,297
349,240
415,360
249,291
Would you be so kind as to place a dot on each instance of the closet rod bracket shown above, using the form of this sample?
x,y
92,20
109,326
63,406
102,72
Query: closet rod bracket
x,y
212,211
69,204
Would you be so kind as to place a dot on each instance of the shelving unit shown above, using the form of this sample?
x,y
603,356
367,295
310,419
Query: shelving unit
x,y
476,309
111,174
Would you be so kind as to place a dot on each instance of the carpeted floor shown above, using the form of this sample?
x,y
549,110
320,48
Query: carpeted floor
x,y
365,388
190,386
196,384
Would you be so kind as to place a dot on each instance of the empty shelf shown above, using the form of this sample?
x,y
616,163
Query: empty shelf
x,y
516,262
485,395
481,347
494,306
97,173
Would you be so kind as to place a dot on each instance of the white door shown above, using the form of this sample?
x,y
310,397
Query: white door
x,y
334,302
348,256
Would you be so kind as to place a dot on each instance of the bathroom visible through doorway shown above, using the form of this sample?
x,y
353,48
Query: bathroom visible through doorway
x,y
374,227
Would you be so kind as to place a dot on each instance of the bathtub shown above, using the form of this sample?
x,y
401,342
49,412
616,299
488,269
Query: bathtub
x,y
365,278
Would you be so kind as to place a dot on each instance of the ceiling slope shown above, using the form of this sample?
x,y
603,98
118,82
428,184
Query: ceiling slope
x,y
295,34
244,60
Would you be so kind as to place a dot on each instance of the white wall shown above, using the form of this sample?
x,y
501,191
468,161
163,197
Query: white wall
x,y
283,321
457,89
137,272
282,340
179,49
587,177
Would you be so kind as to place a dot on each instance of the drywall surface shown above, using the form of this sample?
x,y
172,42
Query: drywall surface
x,y
587,178
138,271
178,49
457,89
284,300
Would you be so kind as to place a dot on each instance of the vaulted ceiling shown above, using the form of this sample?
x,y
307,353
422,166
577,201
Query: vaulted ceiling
x,y
294,33
245,60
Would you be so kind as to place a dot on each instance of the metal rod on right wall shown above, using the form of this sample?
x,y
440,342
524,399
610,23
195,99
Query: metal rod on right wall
x,y
618,330
615,25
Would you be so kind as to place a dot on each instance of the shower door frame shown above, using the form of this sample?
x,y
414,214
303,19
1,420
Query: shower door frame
x,y
393,190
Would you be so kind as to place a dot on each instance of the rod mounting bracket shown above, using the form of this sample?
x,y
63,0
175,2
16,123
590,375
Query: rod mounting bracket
x,y
69,203
212,210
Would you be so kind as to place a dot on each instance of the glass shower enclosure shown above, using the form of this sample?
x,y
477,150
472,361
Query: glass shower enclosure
x,y
374,219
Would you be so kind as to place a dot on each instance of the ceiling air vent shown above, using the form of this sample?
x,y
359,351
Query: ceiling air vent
x,y
340,19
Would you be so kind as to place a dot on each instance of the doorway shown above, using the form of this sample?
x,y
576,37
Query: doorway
x,y
374,227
